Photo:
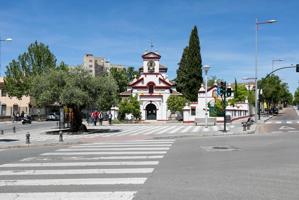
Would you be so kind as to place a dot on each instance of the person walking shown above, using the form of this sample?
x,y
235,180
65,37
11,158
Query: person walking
x,y
94,116
110,118
101,118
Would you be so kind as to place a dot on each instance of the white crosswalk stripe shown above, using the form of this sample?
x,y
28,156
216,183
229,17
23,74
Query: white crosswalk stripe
x,y
131,163
134,130
69,195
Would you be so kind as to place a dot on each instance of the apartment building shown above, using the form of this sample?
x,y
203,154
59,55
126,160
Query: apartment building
x,y
10,105
98,65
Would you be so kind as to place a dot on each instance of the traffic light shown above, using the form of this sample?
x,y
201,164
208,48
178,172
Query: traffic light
x,y
222,87
297,68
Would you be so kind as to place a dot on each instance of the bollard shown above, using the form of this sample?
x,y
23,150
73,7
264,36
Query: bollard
x,y
244,126
27,138
2,132
60,136
248,127
14,129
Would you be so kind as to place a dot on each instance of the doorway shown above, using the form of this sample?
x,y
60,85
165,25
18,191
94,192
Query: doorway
x,y
151,112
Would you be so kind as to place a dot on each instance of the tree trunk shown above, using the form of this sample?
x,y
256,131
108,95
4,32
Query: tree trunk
x,y
76,120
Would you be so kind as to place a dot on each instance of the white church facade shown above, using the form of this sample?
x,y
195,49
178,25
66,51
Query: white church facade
x,y
152,88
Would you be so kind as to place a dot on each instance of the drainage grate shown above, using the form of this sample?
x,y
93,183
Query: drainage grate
x,y
220,148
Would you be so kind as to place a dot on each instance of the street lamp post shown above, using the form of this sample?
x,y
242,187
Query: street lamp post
x,y
3,40
206,69
257,23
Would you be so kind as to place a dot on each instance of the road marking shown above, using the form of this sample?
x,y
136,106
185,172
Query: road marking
x,y
293,131
91,158
286,128
106,153
187,129
79,164
123,145
134,142
83,181
118,149
278,122
126,195
77,171
289,122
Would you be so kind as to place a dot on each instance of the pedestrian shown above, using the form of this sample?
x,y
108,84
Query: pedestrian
x,y
110,118
101,118
94,116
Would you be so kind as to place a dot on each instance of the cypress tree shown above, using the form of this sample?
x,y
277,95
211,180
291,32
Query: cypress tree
x,y
236,90
193,69
181,72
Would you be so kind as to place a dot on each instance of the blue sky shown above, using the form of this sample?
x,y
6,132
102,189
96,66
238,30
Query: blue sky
x,y
121,30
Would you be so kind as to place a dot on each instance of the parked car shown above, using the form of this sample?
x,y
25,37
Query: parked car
x,y
53,117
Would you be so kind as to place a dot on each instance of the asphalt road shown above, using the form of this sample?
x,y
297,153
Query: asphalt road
x,y
286,121
263,166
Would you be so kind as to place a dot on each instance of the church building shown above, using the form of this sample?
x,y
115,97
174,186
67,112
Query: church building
x,y
152,88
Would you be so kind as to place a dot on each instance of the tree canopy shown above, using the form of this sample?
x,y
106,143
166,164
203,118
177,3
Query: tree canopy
x,y
189,74
36,60
176,103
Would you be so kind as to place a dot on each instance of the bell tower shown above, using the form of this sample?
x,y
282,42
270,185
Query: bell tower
x,y
151,62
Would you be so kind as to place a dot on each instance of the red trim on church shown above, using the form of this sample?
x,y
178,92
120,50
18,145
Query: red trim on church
x,y
137,81
151,55
166,82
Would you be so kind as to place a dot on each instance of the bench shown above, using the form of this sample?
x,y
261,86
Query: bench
x,y
246,125
202,121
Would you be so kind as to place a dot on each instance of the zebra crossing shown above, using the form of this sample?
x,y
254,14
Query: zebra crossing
x,y
282,122
133,130
110,170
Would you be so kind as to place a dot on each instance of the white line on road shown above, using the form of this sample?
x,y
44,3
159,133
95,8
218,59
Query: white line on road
x,y
187,129
126,195
278,122
91,158
77,171
118,149
86,181
123,145
106,153
79,164
137,143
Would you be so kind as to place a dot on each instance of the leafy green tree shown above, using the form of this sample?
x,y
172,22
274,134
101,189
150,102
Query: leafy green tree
x,y
176,103
76,89
36,60
107,93
130,106
274,91
189,74
296,97
121,78
131,73
211,81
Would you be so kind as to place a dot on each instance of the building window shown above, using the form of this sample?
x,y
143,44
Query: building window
x,y
193,111
151,89
3,110
3,93
90,65
90,60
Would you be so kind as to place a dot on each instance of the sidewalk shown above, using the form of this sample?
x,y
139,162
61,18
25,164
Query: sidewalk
x,y
38,137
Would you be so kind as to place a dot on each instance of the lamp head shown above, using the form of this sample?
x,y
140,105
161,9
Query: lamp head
x,y
271,21
8,39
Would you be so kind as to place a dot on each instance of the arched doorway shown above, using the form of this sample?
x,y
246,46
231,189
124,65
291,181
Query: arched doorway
x,y
151,112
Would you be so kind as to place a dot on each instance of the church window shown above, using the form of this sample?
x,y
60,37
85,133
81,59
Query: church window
x,y
151,89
